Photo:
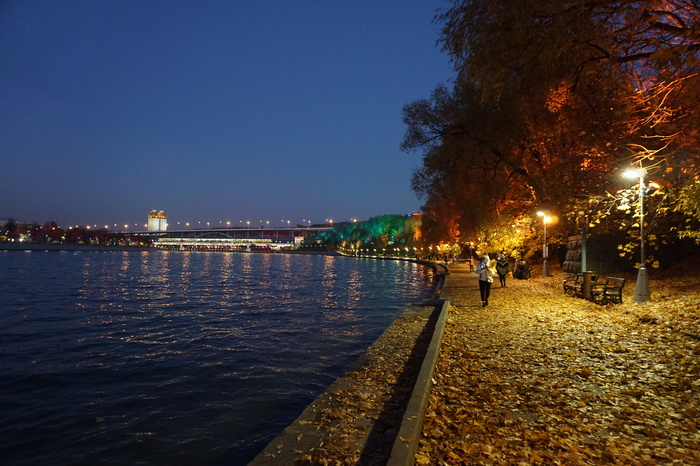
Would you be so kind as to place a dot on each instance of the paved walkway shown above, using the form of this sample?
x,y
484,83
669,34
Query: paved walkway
x,y
538,377
460,284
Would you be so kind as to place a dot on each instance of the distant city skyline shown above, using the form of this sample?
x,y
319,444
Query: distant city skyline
x,y
213,112
191,224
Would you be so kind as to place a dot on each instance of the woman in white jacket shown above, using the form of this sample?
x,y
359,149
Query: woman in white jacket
x,y
485,279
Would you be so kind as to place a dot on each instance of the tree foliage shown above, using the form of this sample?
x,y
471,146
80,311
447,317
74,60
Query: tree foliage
x,y
384,231
552,98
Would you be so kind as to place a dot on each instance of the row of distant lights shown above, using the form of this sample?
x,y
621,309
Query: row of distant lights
x,y
221,222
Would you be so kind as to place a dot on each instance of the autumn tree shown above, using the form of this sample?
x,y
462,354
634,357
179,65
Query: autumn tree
x,y
385,231
552,98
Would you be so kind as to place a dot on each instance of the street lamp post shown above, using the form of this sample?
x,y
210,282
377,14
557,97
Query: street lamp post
x,y
641,291
583,221
545,249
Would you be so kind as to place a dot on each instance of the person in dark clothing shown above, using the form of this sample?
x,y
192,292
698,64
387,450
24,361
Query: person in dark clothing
x,y
522,270
502,268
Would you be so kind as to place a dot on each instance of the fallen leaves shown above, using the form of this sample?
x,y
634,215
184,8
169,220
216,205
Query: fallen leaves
x,y
541,378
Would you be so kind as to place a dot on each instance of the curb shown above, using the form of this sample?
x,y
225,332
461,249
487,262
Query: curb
x,y
406,444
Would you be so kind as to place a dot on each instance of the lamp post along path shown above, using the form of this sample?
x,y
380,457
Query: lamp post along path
x,y
545,249
584,232
545,252
641,291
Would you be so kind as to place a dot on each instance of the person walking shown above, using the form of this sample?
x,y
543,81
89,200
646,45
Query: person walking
x,y
485,279
502,268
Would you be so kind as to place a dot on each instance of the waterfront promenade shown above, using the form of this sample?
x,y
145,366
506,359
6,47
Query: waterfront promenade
x,y
537,377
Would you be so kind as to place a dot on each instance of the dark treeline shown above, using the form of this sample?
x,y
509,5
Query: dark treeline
x,y
52,233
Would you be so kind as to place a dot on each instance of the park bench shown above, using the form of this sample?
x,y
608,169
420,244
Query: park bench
x,y
608,290
573,283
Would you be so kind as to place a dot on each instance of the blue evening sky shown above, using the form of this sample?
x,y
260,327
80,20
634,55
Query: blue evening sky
x,y
211,110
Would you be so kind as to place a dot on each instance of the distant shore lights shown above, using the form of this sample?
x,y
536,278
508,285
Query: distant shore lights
x,y
157,221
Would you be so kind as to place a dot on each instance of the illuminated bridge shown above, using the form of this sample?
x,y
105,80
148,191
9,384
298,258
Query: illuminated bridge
x,y
234,239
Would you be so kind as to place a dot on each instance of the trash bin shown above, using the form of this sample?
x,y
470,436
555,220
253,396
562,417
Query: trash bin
x,y
588,279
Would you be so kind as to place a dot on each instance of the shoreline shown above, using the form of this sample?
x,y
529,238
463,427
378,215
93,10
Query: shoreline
x,y
373,413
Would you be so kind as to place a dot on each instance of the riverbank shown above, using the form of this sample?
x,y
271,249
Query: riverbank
x,y
357,419
537,377
362,414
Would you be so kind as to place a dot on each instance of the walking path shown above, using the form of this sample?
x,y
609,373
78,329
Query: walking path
x,y
536,377
540,377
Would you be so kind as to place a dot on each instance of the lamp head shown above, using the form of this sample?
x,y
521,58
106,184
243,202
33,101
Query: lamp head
x,y
634,173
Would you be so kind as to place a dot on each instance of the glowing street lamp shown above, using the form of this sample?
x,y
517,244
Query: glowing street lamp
x,y
641,291
545,249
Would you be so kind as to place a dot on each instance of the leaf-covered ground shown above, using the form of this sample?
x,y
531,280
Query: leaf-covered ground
x,y
538,377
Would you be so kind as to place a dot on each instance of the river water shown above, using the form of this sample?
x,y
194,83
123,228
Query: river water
x,y
155,357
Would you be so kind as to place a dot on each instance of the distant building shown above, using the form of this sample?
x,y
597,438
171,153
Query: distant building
x,y
157,221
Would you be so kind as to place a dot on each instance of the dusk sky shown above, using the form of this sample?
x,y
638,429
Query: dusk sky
x,y
211,111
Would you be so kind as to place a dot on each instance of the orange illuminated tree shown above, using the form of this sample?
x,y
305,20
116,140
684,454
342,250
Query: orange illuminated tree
x,y
552,98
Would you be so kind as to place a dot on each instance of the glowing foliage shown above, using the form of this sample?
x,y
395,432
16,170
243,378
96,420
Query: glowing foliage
x,y
386,231
689,204
553,98
515,238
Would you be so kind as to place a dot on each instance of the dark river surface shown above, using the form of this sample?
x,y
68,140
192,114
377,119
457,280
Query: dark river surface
x,y
155,357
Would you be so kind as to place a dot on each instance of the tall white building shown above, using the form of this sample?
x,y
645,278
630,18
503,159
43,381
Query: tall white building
x,y
157,221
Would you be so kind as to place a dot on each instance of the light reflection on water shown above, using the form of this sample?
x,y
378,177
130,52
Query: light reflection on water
x,y
156,356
